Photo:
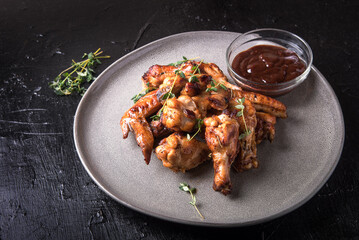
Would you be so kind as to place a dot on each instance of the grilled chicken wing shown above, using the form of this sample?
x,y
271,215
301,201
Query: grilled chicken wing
x,y
260,102
207,100
212,70
247,154
158,129
135,120
179,154
266,104
180,114
222,134
265,127
156,74
195,87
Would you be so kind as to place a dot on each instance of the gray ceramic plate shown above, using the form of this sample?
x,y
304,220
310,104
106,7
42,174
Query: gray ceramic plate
x,y
292,169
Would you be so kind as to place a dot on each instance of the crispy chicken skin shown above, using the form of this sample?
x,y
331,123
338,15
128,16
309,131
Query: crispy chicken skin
x,y
222,134
179,154
267,104
158,129
180,114
135,120
213,70
260,102
194,88
265,127
247,147
156,74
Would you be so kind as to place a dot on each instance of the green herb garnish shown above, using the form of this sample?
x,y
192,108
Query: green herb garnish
x,y
193,79
222,86
69,81
214,86
195,69
186,188
180,73
240,106
143,93
157,116
199,126
179,62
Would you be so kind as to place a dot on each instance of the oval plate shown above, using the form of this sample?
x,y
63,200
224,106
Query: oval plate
x,y
305,151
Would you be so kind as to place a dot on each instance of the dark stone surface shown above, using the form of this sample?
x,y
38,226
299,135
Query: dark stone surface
x,y
45,193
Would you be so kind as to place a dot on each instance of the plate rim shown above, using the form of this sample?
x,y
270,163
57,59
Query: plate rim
x,y
76,123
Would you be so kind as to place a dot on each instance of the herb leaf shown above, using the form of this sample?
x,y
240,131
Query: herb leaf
x,y
193,79
180,73
186,188
240,113
66,83
168,95
199,126
222,86
179,62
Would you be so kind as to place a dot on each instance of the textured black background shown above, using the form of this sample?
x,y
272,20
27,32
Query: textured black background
x,y
45,193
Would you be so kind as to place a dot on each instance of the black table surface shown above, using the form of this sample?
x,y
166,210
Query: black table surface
x,y
45,193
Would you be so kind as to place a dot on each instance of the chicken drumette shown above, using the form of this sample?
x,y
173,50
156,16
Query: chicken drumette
x,y
222,134
179,154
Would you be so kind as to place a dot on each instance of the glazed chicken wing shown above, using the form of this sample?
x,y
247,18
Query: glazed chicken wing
x,y
179,154
222,134
247,154
265,127
156,74
180,114
212,70
266,104
135,120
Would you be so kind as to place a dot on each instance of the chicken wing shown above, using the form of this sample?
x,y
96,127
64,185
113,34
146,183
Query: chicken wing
x,y
135,120
222,134
266,104
247,154
195,87
265,127
158,129
180,114
212,70
179,154
156,74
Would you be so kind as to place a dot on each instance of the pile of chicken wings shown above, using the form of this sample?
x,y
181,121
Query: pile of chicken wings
x,y
199,116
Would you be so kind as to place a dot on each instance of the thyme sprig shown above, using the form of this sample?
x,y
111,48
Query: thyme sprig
x,y
70,80
240,113
214,86
199,126
179,62
195,69
186,188
143,93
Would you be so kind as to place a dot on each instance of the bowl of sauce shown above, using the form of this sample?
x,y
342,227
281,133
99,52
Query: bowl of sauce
x,y
269,61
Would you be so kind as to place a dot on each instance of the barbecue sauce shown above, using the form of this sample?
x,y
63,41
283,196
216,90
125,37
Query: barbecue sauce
x,y
268,64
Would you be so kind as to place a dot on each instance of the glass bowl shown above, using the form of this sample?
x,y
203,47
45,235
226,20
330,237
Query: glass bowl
x,y
269,36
